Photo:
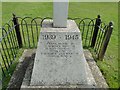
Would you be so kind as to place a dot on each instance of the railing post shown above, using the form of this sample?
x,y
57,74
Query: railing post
x,y
105,41
97,24
17,30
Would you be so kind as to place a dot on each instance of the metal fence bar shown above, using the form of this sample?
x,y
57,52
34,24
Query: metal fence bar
x,y
5,53
36,25
17,29
12,43
32,36
97,24
91,34
3,73
3,61
22,30
106,41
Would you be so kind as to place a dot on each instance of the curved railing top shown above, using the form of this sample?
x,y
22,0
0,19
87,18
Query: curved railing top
x,y
8,27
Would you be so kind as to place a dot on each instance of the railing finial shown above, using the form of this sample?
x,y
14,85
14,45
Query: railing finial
x,y
111,23
13,15
96,28
98,16
17,29
106,41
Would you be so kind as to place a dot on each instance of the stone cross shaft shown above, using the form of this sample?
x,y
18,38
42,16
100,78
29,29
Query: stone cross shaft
x,y
60,13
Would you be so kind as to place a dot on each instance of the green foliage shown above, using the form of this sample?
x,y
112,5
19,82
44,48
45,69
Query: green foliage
x,y
108,12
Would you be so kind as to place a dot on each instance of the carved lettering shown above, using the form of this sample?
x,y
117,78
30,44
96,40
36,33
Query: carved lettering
x,y
73,37
60,48
49,37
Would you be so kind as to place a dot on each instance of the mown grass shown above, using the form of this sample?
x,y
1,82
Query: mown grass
x,y
108,12
119,44
11,70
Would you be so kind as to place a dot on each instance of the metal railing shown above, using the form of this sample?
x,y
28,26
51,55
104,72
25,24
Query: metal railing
x,y
9,48
24,33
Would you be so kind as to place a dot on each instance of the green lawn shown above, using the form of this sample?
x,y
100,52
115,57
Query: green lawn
x,y
108,12
0,16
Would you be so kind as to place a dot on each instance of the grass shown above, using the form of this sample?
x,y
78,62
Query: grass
x,y
119,43
11,70
108,12
0,16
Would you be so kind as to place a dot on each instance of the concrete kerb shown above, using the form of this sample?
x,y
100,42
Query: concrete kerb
x,y
26,64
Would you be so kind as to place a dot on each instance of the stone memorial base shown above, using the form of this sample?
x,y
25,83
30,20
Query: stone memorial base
x,y
26,81
59,60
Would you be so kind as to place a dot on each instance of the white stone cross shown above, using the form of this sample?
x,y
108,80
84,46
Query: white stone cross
x,y
60,13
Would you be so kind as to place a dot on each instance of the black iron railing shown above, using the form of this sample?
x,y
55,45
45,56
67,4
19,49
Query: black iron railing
x,y
24,33
9,48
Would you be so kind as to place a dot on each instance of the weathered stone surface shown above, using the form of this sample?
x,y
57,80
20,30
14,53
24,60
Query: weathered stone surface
x,y
27,77
59,58
100,81
18,75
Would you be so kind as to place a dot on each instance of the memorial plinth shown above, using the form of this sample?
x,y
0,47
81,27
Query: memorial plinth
x,y
59,57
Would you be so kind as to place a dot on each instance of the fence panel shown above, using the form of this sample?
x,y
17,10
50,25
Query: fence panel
x,y
86,27
9,48
30,29
100,37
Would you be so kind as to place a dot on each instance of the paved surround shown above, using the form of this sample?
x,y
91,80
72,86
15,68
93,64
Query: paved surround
x,y
24,82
